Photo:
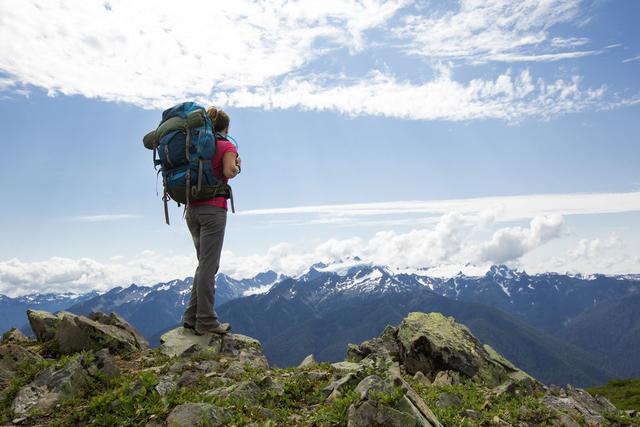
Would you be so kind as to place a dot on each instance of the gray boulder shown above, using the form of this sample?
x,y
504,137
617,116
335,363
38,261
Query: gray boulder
x,y
43,324
76,333
194,414
49,387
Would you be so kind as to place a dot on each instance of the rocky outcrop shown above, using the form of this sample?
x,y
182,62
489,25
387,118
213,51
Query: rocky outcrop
x,y
73,333
442,350
417,373
437,351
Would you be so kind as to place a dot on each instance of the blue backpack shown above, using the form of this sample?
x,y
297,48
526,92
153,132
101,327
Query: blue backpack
x,y
183,145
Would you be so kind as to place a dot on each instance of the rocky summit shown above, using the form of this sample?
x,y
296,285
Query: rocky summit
x,y
428,370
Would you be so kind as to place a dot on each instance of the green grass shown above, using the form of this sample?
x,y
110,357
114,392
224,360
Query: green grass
x,y
624,394
474,396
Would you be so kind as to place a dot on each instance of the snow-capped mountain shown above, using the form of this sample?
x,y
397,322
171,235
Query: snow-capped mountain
x,y
270,304
551,303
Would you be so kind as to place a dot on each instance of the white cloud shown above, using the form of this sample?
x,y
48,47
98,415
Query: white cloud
x,y
593,255
592,249
634,58
154,55
447,245
488,209
273,54
509,244
481,30
507,97
59,274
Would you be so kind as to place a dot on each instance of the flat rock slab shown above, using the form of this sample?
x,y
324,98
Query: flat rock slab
x,y
182,341
177,341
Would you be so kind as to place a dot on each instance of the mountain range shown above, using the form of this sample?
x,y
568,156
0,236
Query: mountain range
x,y
560,328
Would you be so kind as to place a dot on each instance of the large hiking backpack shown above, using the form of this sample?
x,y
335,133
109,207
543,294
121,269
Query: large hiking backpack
x,y
183,145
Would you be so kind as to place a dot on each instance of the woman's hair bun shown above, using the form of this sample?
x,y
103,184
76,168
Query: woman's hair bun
x,y
213,113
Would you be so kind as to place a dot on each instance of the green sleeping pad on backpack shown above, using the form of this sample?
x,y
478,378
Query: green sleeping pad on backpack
x,y
152,139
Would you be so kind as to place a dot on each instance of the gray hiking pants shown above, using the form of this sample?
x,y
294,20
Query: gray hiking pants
x,y
206,224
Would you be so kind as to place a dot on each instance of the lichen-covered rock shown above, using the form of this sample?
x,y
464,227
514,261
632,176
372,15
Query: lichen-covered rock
x,y
194,414
14,335
431,342
76,333
49,387
43,324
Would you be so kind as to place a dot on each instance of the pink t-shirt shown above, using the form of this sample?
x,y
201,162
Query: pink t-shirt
x,y
223,146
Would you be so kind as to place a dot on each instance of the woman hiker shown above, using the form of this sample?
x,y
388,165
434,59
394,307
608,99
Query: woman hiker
x,y
206,220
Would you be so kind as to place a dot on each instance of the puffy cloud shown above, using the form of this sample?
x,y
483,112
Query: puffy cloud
x,y
592,249
508,244
446,245
59,274
593,255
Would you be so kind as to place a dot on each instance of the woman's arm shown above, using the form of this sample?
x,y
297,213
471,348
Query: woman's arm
x,y
229,165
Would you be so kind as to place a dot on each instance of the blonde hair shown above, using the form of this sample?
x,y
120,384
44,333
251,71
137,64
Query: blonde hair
x,y
219,118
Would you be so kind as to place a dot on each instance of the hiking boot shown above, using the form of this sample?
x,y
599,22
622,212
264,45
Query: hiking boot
x,y
188,326
222,328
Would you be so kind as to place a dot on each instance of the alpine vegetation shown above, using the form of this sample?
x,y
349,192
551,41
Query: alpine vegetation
x,y
428,370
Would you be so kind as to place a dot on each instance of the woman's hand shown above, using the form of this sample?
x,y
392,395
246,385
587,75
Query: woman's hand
x,y
238,163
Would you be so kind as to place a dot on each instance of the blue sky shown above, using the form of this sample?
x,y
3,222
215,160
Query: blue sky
x,y
414,134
